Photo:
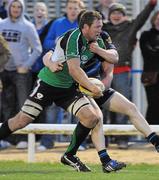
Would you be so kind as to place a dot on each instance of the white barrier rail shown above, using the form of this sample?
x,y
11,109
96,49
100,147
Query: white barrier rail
x,y
67,129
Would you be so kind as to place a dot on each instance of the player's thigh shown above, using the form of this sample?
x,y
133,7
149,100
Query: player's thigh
x,y
120,104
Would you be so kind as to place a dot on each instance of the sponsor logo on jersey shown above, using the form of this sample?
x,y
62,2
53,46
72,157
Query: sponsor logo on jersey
x,y
84,59
39,96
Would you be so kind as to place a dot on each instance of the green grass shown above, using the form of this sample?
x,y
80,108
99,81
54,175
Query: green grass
x,y
17,170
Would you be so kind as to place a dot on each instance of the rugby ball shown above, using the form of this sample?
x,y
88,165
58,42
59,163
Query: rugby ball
x,y
95,81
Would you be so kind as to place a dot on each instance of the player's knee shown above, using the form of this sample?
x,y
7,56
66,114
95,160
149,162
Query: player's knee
x,y
93,119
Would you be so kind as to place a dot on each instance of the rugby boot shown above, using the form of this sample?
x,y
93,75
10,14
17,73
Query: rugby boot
x,y
113,165
74,162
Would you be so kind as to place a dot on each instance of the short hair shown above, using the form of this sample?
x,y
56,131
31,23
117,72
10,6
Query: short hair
x,y
80,3
88,18
153,19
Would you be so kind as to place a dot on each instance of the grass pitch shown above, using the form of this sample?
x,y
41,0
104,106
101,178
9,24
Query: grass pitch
x,y
18,170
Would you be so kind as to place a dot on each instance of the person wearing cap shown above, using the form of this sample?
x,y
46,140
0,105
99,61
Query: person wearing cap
x,y
123,33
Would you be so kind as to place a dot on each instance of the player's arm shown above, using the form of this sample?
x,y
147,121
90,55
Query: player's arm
x,y
80,76
108,74
53,66
110,55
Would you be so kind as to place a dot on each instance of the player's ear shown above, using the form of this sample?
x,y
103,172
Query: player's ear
x,y
86,27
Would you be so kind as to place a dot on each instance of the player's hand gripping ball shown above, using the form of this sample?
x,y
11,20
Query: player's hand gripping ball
x,y
95,81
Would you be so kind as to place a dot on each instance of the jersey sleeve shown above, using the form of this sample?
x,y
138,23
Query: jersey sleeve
x,y
72,46
107,40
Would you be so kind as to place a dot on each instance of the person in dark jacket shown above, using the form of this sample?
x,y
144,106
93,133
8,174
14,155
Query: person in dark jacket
x,y
3,11
149,44
123,33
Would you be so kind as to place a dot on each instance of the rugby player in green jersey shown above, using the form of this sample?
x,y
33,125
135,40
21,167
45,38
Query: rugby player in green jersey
x,y
113,100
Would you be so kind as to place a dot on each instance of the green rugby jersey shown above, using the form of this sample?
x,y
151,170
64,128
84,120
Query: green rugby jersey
x,y
72,45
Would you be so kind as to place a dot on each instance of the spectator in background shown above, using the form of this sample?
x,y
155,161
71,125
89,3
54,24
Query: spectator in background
x,y
40,20
123,33
64,23
25,47
42,25
103,8
149,43
3,11
4,57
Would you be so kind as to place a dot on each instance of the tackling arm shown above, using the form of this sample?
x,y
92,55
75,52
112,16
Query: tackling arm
x,y
53,66
110,55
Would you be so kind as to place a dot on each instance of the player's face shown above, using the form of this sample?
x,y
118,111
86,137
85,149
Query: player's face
x,y
117,17
15,10
93,32
72,11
